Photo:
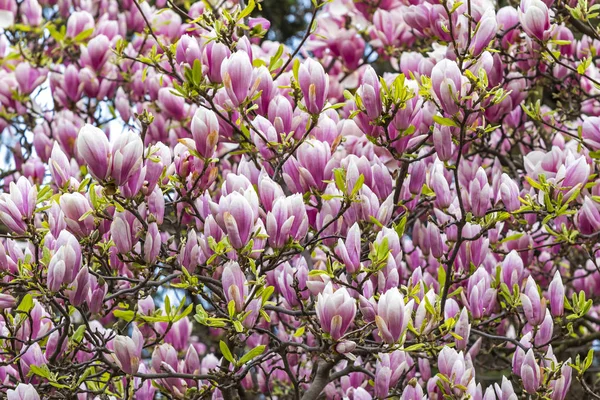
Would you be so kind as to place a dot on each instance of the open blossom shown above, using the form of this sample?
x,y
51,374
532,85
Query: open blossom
x,y
535,19
126,157
534,306
446,80
288,219
393,315
128,351
18,205
336,311
23,392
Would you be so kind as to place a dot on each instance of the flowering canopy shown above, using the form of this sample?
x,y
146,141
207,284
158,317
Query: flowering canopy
x,y
405,204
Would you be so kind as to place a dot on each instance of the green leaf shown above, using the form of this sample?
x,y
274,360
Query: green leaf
x,y
185,312
375,221
295,68
400,227
441,276
83,35
197,72
340,180
42,371
231,308
455,7
276,58
414,347
86,214
93,196
248,10
266,294
26,304
167,305
44,194
444,121
226,352
358,185
126,315
588,359
78,334
239,328
316,272
533,183
257,351
300,331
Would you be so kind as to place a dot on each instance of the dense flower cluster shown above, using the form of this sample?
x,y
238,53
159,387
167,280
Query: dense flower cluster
x,y
404,204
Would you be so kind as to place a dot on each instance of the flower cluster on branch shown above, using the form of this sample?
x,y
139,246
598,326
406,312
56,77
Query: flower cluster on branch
x,y
403,204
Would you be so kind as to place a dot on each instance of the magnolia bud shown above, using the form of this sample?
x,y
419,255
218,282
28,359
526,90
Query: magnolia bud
x,y
335,310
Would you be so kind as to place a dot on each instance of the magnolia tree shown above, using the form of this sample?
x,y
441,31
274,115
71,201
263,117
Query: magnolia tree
x,y
404,203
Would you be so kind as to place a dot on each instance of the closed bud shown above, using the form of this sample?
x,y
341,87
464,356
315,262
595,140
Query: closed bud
x,y
442,142
236,217
152,243
544,333
60,166
480,193
485,32
236,72
97,53
205,132
439,184
370,93
350,250
534,306
188,50
462,329
127,154
509,193
80,288
268,191
288,219
31,12
418,173
57,271
512,270
314,84
7,301
94,150
556,294
587,218
530,373
121,231
281,114
28,77
235,285
213,56
171,103
345,346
